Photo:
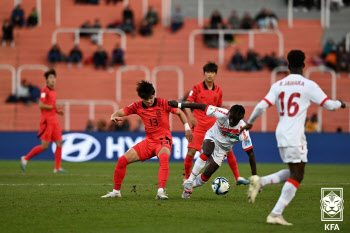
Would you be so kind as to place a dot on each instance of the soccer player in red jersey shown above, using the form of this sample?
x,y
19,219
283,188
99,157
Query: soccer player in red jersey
x,y
208,93
50,130
154,113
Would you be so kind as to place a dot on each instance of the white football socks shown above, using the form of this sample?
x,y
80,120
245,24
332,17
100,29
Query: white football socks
x,y
287,194
198,181
198,166
275,178
160,190
116,191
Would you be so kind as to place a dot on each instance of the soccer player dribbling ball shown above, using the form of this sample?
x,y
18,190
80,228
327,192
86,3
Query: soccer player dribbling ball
x,y
50,130
154,113
218,140
293,95
206,92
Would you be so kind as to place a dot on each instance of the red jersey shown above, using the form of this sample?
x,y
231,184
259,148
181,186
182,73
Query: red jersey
x,y
155,118
202,95
48,96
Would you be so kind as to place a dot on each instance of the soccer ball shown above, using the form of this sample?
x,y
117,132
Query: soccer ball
x,y
220,186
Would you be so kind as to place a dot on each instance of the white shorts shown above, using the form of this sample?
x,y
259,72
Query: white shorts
x,y
295,154
219,153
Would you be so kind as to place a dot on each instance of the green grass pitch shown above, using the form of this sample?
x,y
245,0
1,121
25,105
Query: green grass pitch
x,y
39,201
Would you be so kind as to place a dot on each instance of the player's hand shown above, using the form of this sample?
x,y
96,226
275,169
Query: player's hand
x,y
59,107
193,121
61,113
246,127
343,105
173,103
116,118
189,135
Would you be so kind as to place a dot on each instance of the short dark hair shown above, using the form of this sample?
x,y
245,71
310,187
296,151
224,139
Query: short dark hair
x,y
210,67
237,109
49,72
296,59
145,89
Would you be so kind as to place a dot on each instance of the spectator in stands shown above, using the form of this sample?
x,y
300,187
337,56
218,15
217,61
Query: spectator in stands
x,y
54,55
7,33
328,47
86,25
100,58
331,60
177,19
94,36
90,126
247,22
343,59
33,18
151,16
305,4
311,124
128,14
128,27
145,28
23,93
271,61
215,19
101,125
93,2
34,93
266,19
233,20
253,61
210,40
282,61
17,16
140,126
237,62
117,56
75,56
125,126
228,37
114,1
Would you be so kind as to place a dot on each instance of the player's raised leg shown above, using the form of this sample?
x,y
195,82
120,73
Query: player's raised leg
x,y
163,173
36,150
120,171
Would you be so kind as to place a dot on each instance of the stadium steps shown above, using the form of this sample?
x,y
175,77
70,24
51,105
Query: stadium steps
x,y
163,48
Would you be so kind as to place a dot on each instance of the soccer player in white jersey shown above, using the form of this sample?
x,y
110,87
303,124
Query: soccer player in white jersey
x,y
218,140
293,96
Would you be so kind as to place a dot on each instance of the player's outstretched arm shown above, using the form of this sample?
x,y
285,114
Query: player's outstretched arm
x,y
191,118
175,104
332,105
258,110
117,116
252,162
183,119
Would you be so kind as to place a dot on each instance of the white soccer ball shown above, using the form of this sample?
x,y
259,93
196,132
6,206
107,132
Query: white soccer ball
x,y
220,186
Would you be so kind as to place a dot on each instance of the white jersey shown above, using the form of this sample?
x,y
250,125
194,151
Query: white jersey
x,y
293,96
225,135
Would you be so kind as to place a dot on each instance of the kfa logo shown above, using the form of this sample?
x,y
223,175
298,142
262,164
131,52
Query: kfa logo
x,y
332,204
79,147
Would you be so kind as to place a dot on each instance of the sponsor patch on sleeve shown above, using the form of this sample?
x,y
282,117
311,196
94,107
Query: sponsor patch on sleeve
x,y
43,95
191,92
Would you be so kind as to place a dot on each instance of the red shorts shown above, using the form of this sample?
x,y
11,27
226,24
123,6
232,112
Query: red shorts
x,y
148,148
198,137
50,131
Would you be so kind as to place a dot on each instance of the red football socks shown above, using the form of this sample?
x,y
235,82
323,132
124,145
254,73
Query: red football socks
x,y
232,162
36,150
163,170
58,157
119,172
188,166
